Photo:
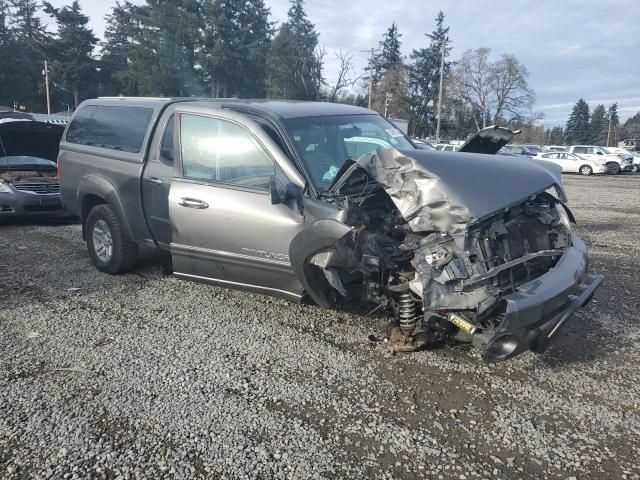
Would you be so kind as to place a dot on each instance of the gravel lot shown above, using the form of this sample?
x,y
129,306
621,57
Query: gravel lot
x,y
146,376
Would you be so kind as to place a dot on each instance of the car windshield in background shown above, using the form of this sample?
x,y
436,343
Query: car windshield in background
x,y
325,143
12,162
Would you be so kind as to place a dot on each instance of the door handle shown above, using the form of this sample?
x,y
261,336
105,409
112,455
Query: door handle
x,y
154,180
193,203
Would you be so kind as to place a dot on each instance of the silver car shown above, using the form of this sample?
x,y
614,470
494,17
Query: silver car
x,y
28,172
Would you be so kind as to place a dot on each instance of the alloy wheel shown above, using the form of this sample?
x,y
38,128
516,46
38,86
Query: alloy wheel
x,y
102,241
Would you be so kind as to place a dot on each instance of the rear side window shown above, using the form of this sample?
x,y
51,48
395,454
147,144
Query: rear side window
x,y
580,150
116,128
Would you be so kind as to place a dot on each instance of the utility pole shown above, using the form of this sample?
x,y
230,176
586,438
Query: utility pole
x,y
609,129
46,84
371,60
440,92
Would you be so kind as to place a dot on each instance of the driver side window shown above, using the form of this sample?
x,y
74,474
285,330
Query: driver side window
x,y
216,150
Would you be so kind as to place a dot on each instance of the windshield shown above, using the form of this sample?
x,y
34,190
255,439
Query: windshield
x,y
325,143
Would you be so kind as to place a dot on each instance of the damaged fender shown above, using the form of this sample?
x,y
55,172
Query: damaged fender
x,y
318,237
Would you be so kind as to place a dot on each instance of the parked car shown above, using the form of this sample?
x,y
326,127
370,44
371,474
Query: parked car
x,y
505,152
556,148
615,164
28,179
572,163
447,147
520,150
264,196
534,149
422,145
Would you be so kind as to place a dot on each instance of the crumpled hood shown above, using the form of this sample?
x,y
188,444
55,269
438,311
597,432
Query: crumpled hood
x,y
446,192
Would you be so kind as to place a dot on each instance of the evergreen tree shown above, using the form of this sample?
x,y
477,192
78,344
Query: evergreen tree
x,y
390,76
631,128
235,42
73,65
389,56
27,53
295,67
598,125
163,57
612,115
121,29
556,136
8,71
424,77
613,121
577,129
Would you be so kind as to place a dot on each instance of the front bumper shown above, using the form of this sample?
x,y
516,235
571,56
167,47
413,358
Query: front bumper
x,y
24,204
539,309
630,167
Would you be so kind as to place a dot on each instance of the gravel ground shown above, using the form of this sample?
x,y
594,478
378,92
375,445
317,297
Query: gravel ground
x,y
147,376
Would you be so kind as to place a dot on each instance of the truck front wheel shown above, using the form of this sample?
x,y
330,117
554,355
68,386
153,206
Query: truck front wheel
x,y
109,248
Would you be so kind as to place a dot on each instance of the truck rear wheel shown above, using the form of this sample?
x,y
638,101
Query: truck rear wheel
x,y
109,248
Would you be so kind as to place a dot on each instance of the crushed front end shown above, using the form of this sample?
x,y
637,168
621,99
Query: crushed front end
x,y
511,284
477,261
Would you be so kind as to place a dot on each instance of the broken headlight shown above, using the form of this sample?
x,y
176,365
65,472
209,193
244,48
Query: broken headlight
x,y
563,216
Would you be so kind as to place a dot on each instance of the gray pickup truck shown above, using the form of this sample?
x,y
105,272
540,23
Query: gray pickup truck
x,y
334,203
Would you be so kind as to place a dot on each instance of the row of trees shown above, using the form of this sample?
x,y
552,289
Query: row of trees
x,y
225,48
598,126
162,47
595,127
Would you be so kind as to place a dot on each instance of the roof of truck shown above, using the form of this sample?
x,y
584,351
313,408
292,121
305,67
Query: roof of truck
x,y
282,108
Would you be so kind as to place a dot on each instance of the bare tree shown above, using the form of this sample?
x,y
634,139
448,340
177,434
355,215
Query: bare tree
x,y
308,70
500,87
472,81
510,88
391,93
346,75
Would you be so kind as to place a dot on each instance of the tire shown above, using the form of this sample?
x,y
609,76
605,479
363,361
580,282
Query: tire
x,y
613,169
109,248
585,170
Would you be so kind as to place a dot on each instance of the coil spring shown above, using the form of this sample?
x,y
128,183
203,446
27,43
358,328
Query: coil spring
x,y
407,313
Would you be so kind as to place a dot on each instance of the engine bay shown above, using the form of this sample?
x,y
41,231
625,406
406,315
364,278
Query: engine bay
x,y
438,287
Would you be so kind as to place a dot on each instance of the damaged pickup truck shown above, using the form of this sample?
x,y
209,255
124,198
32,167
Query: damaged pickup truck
x,y
333,203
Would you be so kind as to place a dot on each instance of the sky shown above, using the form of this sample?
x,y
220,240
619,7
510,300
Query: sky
x,y
572,48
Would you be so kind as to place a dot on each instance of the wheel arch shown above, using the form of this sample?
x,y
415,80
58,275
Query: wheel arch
x,y
96,190
317,237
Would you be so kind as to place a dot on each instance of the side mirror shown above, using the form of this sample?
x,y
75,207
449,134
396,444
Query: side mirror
x,y
281,192
599,152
